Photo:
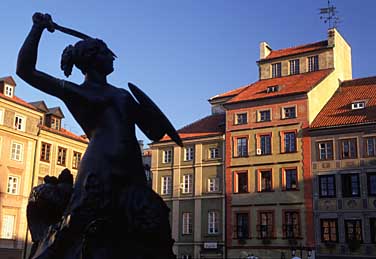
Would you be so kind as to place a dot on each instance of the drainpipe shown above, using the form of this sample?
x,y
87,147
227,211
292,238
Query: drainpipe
x,y
32,185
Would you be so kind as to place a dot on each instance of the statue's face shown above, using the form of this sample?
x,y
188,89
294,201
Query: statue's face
x,y
105,61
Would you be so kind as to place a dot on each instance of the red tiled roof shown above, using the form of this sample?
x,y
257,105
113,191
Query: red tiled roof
x,y
66,133
296,50
17,100
8,79
338,111
294,84
229,93
208,126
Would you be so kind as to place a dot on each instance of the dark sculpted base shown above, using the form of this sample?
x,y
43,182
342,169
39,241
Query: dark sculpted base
x,y
110,212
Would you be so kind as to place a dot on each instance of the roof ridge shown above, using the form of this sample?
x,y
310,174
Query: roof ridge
x,y
197,121
302,46
350,82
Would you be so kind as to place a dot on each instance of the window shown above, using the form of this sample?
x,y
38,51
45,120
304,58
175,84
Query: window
x,y
241,118
187,223
353,229
241,182
348,148
289,112
291,179
8,91
76,159
370,146
45,152
291,227
213,184
188,153
265,227
242,147
17,151
325,150
19,123
327,186
272,89
265,145
55,123
166,185
358,105
213,222
329,230
213,152
61,156
7,227
167,156
372,225
276,70
266,181
187,183
371,183
294,67
289,141
350,185
313,63
264,115
242,229
1,116
13,184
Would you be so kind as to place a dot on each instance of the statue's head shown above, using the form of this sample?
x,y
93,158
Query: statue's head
x,y
88,55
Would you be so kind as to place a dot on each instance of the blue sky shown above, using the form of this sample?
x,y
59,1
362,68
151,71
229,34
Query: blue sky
x,y
181,52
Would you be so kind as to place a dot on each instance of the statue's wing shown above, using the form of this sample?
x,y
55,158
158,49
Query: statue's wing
x,y
161,125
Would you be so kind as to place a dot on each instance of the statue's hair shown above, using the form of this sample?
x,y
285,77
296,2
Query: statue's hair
x,y
82,55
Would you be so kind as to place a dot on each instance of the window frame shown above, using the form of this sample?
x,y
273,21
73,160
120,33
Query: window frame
x,y
283,135
286,227
166,185
187,183
61,158
216,152
260,117
11,185
330,228
187,225
215,185
237,188
326,177
294,65
260,173
276,69
286,114
189,153
8,90
270,233
313,63
213,222
263,148
367,145
328,143
345,188
5,229
19,125
242,150
370,185
76,159
45,152
16,152
241,118
352,143
347,233
167,156
244,229
285,182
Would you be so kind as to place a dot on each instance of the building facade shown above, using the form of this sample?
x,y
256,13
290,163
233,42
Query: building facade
x,y
344,171
190,179
32,145
268,149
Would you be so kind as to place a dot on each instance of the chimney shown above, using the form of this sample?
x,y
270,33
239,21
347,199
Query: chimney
x,y
331,37
265,49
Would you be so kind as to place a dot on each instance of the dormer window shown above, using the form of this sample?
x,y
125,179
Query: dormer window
x,y
55,123
276,70
272,89
8,90
358,105
294,67
313,63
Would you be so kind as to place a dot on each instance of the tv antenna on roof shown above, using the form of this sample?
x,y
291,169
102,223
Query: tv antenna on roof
x,y
329,15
